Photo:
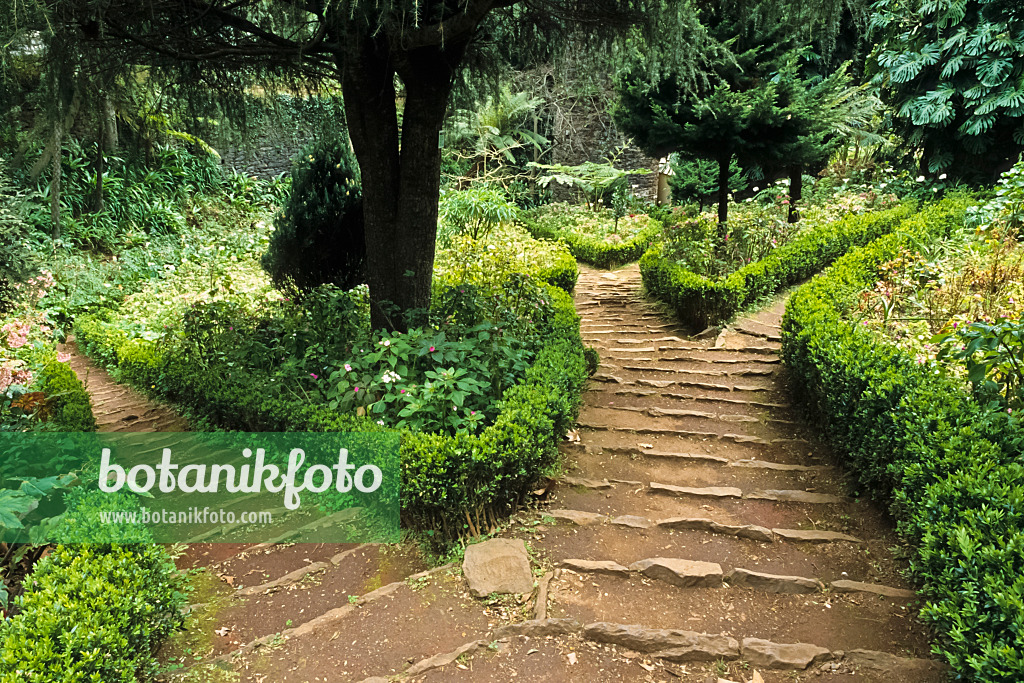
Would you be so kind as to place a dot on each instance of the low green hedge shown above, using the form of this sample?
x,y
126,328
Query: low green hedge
x,y
592,250
92,613
444,478
70,409
950,467
701,301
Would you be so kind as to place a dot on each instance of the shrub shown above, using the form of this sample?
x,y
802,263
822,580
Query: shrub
x,y
319,234
593,237
948,464
700,301
92,613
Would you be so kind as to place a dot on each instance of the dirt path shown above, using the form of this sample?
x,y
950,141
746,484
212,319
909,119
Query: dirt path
x,y
699,531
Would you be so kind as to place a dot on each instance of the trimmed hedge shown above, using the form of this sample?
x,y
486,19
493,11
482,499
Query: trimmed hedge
x,y
92,613
70,408
950,467
596,252
701,301
444,478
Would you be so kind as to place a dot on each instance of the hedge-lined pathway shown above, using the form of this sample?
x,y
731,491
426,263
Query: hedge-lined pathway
x,y
119,408
699,531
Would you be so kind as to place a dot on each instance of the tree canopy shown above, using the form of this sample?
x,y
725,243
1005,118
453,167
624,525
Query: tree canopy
x,y
953,72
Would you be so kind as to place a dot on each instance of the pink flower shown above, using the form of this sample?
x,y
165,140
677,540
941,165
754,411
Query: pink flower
x,y
401,391
313,376
356,390
348,368
431,349
63,357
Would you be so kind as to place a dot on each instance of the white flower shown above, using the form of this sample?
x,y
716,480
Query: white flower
x,y
380,422
756,189
942,177
920,178
390,376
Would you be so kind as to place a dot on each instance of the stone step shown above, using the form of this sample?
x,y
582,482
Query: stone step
x,y
669,597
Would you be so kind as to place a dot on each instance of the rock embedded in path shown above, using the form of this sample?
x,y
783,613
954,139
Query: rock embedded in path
x,y
751,531
578,517
535,628
844,586
772,583
679,572
797,497
607,567
707,492
499,565
814,536
883,662
669,644
633,521
595,484
790,657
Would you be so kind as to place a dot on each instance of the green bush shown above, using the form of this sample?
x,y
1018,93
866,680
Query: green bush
x,y
949,465
70,408
92,613
701,301
319,234
587,233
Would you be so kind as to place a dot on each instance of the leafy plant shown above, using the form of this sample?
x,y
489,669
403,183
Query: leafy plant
x,y
595,181
994,357
474,212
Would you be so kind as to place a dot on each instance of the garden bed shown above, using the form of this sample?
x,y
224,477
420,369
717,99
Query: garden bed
x,y
916,437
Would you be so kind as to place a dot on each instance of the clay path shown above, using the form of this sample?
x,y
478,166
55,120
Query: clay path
x,y
698,531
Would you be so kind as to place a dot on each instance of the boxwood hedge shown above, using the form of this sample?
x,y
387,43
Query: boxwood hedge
x,y
950,467
588,249
701,301
92,613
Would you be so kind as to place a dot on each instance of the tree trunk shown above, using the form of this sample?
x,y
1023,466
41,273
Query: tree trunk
x,y
400,183
796,192
100,167
58,136
723,193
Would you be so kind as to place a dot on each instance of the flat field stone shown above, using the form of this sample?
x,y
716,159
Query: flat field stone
x,y
788,657
751,531
844,586
708,492
539,628
684,456
679,572
499,565
677,646
797,497
814,536
776,466
633,521
772,583
607,567
883,662
578,517
594,484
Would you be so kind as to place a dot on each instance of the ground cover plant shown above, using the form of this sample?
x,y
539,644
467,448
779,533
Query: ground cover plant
x,y
947,458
